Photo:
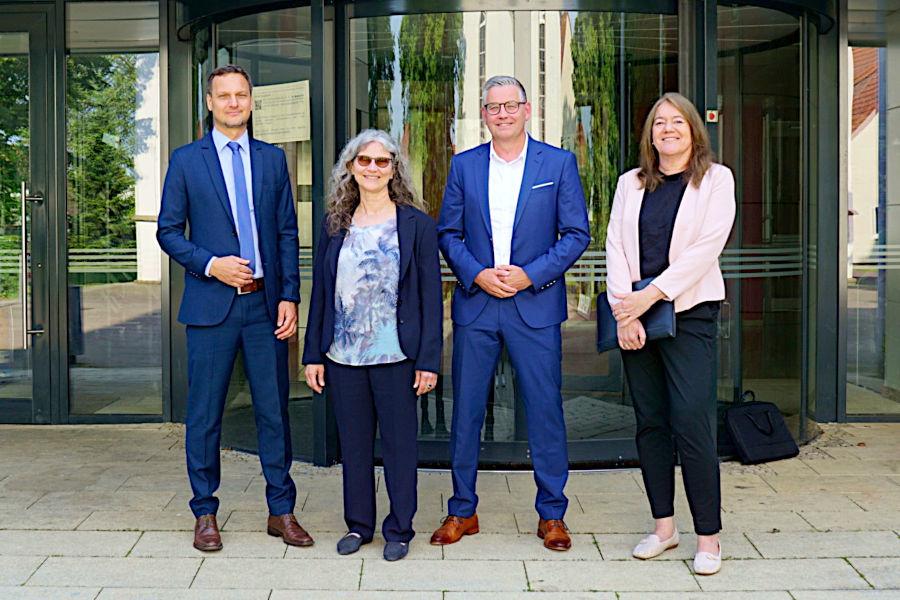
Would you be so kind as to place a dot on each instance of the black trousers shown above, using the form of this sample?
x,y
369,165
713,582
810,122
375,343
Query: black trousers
x,y
673,388
363,397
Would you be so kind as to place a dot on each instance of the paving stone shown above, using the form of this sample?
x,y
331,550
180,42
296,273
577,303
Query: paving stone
x,y
326,547
854,466
847,595
775,520
167,544
48,593
634,521
448,575
617,576
490,546
139,520
853,521
789,502
880,572
529,596
600,482
116,572
66,543
18,500
831,484
156,594
34,519
705,596
826,544
784,574
123,501
618,546
15,570
329,595
286,574
886,501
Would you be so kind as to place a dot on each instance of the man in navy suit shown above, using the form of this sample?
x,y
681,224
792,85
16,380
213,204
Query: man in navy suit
x,y
240,293
513,220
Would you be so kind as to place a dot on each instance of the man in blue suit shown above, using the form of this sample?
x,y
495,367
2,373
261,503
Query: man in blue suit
x,y
240,293
513,220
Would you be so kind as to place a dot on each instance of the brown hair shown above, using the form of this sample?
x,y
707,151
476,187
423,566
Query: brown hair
x,y
343,197
226,70
701,153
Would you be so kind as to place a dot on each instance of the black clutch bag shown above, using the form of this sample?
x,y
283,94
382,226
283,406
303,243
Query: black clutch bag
x,y
658,322
759,432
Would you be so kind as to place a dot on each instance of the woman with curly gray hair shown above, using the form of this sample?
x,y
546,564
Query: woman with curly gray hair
x,y
374,330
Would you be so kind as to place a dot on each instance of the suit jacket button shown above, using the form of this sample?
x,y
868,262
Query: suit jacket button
x,y
401,321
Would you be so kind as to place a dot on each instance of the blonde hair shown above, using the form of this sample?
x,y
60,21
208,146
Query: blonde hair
x,y
343,198
701,153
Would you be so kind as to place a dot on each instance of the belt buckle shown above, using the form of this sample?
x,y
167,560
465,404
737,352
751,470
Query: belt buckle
x,y
241,292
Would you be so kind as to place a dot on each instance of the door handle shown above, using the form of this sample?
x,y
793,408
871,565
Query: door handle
x,y
27,329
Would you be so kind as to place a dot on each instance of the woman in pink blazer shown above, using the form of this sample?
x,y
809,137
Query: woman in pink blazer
x,y
670,220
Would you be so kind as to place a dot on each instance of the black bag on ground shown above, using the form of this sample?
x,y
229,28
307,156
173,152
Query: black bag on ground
x,y
759,432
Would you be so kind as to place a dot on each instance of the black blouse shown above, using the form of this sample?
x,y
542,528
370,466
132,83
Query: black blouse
x,y
657,219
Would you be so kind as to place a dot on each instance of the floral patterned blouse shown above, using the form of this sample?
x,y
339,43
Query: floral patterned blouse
x,y
365,297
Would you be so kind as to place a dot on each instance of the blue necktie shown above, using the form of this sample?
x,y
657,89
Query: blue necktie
x,y
244,224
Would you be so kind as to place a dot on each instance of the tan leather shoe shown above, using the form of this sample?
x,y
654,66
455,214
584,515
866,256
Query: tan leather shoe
x,y
206,534
453,528
288,529
555,534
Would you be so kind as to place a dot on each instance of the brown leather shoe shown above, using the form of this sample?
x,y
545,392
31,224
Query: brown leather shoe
x,y
555,534
453,528
287,528
206,534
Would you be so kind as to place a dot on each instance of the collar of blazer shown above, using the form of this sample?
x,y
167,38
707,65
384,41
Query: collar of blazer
x,y
406,236
211,158
534,157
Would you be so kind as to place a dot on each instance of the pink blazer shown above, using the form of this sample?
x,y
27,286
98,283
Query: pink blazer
x,y
702,226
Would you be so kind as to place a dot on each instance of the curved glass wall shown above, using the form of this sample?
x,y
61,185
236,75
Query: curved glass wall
x,y
274,48
591,77
760,138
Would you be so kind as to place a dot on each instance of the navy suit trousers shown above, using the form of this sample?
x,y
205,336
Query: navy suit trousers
x,y
211,354
364,397
536,355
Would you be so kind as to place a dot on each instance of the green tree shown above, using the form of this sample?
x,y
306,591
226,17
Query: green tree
x,y
594,82
431,56
102,97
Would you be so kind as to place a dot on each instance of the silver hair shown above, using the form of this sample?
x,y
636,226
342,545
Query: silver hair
x,y
343,195
499,80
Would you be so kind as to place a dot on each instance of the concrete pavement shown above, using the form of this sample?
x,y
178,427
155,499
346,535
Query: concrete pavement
x,y
100,513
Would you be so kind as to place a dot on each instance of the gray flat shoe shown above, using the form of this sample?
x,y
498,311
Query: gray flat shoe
x,y
349,544
395,550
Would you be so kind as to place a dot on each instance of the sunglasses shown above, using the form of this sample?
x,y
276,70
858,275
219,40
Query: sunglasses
x,y
381,162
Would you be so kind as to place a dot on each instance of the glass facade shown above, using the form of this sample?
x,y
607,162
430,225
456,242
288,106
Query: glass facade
x,y
419,77
87,301
873,251
112,197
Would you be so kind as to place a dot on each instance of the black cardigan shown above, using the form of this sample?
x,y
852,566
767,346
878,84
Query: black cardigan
x,y
420,311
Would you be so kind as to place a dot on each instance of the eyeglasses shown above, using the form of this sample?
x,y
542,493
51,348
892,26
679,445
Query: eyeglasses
x,y
381,161
512,107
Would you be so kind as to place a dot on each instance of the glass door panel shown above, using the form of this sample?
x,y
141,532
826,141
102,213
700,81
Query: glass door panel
x,y
23,307
591,77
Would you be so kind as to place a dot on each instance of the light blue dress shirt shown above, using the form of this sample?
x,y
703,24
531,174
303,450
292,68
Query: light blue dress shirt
x,y
224,153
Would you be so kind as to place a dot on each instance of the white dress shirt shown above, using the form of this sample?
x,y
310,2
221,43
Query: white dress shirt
x,y
504,183
220,140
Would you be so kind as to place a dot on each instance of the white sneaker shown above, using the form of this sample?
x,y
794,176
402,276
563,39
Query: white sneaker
x,y
651,546
707,563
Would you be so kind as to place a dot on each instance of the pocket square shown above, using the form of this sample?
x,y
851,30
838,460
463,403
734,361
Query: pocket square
x,y
541,185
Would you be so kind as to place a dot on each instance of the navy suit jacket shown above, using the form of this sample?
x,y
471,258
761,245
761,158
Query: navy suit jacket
x,y
550,231
420,311
194,194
